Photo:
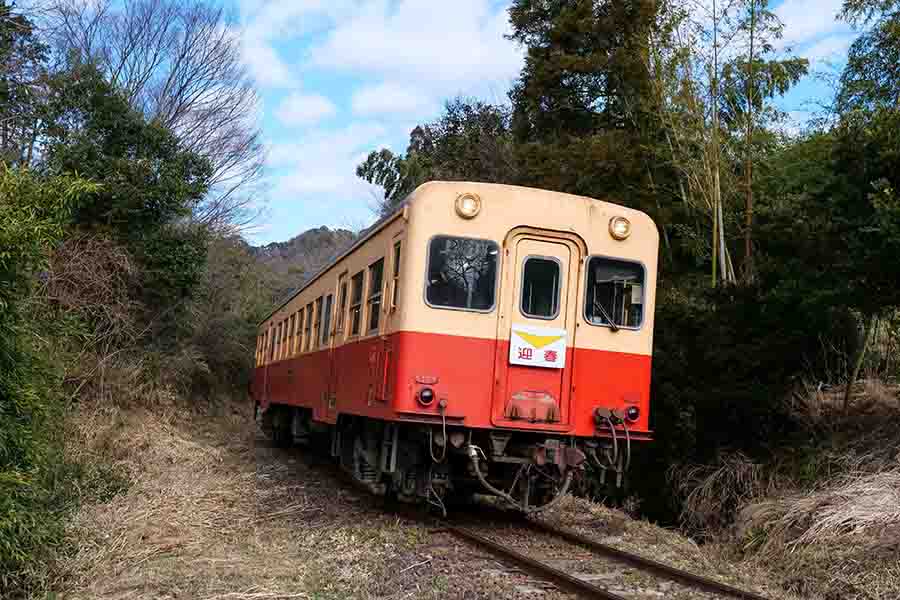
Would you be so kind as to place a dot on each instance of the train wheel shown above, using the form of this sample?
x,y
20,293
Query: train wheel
x,y
281,427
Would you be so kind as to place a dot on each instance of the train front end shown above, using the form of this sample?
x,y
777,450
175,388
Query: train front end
x,y
528,356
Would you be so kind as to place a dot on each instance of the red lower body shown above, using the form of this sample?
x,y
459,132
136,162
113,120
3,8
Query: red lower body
x,y
381,378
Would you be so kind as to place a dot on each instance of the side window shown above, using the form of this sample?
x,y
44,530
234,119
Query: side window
x,y
356,303
462,273
289,343
298,343
615,293
318,327
395,284
278,342
307,342
326,321
270,335
342,304
376,278
540,288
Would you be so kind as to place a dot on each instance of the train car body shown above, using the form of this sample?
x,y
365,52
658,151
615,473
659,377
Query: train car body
x,y
482,337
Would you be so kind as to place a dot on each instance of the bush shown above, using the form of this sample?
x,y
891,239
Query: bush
x,y
33,217
724,365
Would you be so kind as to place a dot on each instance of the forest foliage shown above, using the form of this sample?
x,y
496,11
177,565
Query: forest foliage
x,y
780,249
124,279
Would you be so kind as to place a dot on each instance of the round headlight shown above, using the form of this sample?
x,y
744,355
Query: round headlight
x,y
619,228
468,205
632,413
426,396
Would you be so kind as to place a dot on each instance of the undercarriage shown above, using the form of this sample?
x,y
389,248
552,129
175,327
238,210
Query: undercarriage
x,y
441,465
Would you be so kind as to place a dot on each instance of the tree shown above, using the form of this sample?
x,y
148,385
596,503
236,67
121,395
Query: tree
x,y
579,116
710,110
470,141
870,78
178,64
150,183
22,71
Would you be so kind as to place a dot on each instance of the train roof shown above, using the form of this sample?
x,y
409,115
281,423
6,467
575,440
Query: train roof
x,y
382,222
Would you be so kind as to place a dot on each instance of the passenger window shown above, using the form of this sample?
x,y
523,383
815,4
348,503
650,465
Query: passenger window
x,y
307,343
342,304
318,327
376,278
356,303
540,288
462,273
615,293
278,342
298,342
395,287
289,350
326,321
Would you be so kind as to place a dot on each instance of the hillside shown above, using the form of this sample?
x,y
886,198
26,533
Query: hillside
x,y
295,260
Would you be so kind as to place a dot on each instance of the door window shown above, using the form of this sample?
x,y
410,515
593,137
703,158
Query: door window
x,y
540,288
376,274
326,320
356,303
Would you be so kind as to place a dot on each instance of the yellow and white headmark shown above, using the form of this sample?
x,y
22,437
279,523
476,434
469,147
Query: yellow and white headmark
x,y
537,346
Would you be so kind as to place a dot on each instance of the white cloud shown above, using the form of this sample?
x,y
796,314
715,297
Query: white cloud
x,y
831,47
304,109
444,47
324,161
391,98
265,65
806,20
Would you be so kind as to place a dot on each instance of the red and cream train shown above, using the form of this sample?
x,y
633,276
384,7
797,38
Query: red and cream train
x,y
482,338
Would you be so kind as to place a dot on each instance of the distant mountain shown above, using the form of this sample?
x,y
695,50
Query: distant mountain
x,y
299,258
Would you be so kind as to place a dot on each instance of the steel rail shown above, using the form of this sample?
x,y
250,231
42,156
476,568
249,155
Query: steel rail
x,y
647,564
561,577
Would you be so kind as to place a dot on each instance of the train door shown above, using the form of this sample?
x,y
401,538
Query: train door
x,y
333,351
536,332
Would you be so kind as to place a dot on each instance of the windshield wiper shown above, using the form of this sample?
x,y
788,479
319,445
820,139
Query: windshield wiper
x,y
612,324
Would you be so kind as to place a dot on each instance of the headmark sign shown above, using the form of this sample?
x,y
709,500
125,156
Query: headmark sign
x,y
537,346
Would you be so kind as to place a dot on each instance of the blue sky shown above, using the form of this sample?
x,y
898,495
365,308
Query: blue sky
x,y
339,78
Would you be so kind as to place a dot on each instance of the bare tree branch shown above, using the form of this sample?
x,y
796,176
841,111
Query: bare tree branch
x,y
178,63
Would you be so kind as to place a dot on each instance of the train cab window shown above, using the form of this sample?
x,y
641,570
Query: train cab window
x,y
376,278
615,293
356,303
395,283
326,321
462,273
540,288
307,342
318,327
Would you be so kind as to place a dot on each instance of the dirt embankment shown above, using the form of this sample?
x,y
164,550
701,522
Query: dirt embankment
x,y
211,514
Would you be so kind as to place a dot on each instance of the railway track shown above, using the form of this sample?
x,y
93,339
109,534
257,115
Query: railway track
x,y
580,585
476,529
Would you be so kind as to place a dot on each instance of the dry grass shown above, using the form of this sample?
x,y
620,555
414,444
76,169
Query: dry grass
x,y
714,493
212,515
835,533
